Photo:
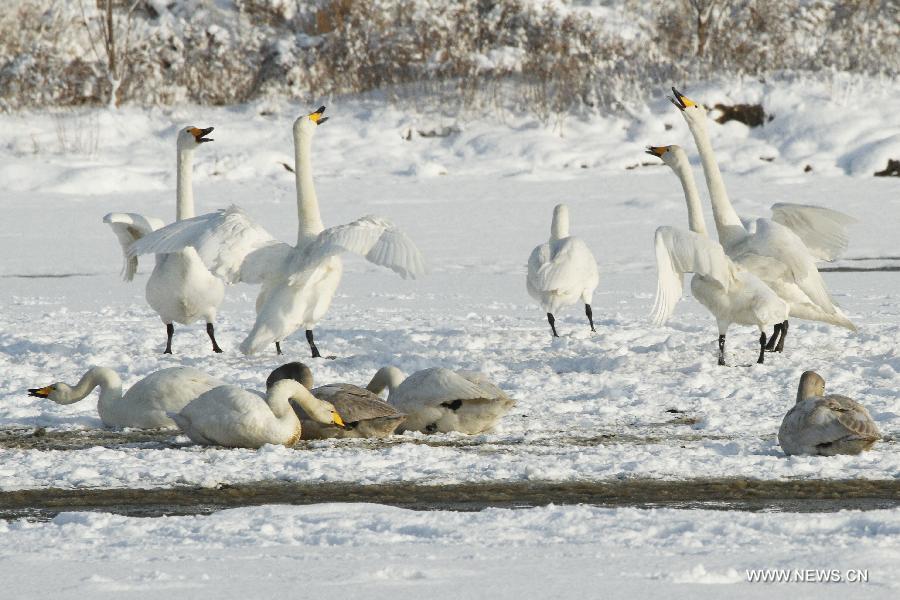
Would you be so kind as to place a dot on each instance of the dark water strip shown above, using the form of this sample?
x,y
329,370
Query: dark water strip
x,y
722,494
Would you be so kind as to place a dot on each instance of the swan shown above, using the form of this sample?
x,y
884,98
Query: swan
x,y
825,425
180,288
298,282
144,405
364,414
231,416
562,270
729,292
441,400
782,257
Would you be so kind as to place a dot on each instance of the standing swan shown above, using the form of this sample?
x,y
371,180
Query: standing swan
x,y
145,405
769,248
730,293
298,282
825,425
364,414
441,400
562,270
231,416
180,288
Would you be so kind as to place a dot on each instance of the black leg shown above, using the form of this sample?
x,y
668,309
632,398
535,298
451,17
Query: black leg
x,y
312,344
552,322
278,348
770,347
762,347
170,330
590,315
722,349
784,329
211,332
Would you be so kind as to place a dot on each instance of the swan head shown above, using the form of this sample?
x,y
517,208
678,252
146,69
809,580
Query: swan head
x,y
674,155
190,137
691,110
305,125
812,385
297,371
58,392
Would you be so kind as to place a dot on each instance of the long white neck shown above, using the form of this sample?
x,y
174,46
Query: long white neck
x,y
685,174
278,398
728,224
386,377
310,221
184,207
110,388
560,227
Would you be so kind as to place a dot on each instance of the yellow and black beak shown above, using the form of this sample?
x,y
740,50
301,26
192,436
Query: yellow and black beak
x,y
680,100
657,150
199,134
316,117
40,392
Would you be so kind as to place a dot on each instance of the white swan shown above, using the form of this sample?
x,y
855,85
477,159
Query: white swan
x,y
825,425
729,292
441,400
231,416
298,282
562,271
180,288
144,405
769,248
364,414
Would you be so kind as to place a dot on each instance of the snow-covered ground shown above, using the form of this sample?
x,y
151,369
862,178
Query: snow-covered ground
x,y
591,406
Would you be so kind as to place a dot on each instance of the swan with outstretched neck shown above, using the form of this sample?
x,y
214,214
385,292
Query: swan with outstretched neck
x,y
297,282
231,416
180,289
562,271
730,293
145,405
781,251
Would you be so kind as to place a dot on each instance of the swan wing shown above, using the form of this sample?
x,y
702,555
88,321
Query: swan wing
x,y
853,416
565,265
231,245
823,230
678,252
130,227
377,239
432,387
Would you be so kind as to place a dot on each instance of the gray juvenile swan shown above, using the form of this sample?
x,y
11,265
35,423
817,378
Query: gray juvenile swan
x,y
364,414
825,425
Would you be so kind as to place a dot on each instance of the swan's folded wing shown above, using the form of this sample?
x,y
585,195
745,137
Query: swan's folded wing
x,y
130,227
377,239
432,387
678,252
823,230
564,265
230,244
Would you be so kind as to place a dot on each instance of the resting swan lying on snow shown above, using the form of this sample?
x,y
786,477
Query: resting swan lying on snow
x,y
232,416
364,414
825,425
145,405
441,400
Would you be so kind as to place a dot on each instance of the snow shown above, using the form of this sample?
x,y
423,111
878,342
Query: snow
x,y
327,550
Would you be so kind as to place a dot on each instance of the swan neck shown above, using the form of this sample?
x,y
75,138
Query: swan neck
x,y
184,207
696,222
386,377
110,387
310,221
279,398
559,229
728,224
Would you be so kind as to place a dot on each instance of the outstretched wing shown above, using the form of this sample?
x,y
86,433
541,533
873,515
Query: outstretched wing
x,y
377,239
130,227
823,230
678,252
230,244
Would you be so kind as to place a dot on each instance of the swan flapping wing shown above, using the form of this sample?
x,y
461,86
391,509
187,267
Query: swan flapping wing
x,y
377,239
230,244
130,227
823,230
678,252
